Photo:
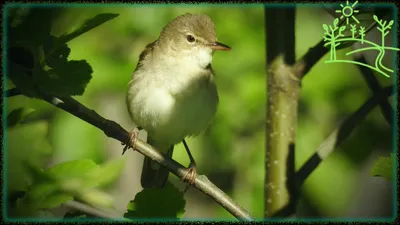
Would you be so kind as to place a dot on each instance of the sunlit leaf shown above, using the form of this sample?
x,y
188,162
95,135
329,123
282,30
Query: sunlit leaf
x,y
72,169
106,173
97,198
383,167
54,200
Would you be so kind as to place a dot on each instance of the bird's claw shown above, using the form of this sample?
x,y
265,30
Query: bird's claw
x,y
131,143
190,176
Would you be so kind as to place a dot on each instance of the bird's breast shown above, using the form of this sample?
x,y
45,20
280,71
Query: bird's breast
x,y
172,109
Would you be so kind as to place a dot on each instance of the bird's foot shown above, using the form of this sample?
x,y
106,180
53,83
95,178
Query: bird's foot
x,y
131,143
190,175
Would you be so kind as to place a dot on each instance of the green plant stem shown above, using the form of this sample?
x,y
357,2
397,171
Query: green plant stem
x,y
283,90
114,130
283,95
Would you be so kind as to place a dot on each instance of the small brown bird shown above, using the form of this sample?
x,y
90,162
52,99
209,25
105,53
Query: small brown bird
x,y
172,94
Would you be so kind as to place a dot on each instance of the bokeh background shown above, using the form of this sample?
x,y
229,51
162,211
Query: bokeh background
x,y
231,150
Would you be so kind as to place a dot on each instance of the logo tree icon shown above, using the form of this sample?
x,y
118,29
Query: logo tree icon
x,y
331,36
335,36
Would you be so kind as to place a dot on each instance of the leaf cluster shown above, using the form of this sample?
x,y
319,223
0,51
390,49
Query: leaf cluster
x,y
81,180
38,61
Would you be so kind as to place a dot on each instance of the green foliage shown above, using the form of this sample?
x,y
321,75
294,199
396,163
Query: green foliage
x,y
41,50
154,203
17,115
237,162
383,167
38,61
66,181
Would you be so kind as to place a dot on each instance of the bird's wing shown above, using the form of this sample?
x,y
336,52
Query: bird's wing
x,y
145,53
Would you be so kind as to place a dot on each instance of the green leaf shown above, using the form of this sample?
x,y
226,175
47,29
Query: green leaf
x,y
167,202
22,78
45,196
106,173
383,167
55,57
37,191
17,115
55,200
66,79
97,198
88,25
72,169
35,26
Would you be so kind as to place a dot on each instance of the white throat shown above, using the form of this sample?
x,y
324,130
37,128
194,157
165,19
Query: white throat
x,y
203,56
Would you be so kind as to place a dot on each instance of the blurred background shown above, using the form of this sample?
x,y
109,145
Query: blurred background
x,y
231,150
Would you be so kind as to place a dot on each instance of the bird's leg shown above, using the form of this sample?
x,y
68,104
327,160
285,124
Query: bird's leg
x,y
190,175
133,137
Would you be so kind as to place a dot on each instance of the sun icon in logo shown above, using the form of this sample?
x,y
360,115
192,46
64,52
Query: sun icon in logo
x,y
348,12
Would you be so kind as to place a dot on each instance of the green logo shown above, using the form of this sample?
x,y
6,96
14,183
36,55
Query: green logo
x,y
334,36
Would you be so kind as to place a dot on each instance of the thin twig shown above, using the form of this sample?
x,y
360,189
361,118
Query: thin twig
x,y
374,85
12,92
114,130
340,134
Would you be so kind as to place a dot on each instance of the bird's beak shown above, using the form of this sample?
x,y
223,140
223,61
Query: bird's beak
x,y
219,46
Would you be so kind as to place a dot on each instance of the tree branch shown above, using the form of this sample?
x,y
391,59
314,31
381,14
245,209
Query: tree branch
x,y
374,85
114,130
283,90
340,134
310,59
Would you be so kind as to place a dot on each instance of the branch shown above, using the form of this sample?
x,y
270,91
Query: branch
x,y
374,85
310,59
280,34
283,94
340,134
12,92
114,130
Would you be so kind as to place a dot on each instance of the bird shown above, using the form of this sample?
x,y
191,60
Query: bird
x,y
172,93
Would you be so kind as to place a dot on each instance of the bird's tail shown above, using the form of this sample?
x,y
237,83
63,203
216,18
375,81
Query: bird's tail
x,y
153,174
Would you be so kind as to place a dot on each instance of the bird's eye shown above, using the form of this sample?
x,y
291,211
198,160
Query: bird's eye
x,y
190,38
